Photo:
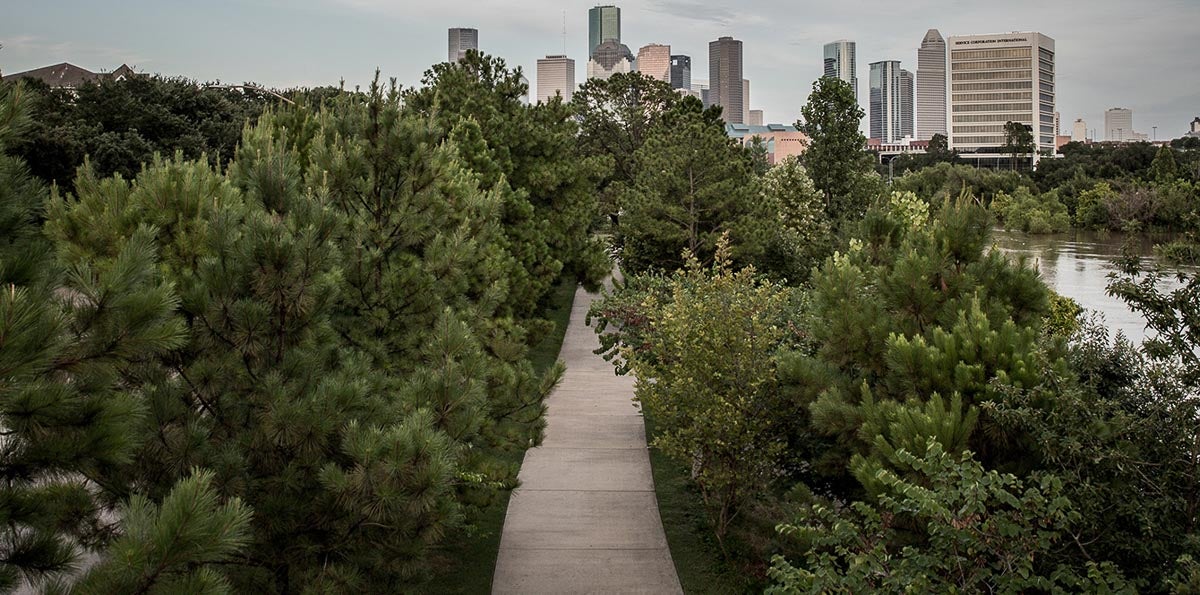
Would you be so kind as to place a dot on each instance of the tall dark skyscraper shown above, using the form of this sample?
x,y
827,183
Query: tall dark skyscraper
x,y
461,40
906,104
681,72
840,61
887,101
604,24
725,78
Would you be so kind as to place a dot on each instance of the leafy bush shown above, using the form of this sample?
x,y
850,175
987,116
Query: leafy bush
x,y
1023,211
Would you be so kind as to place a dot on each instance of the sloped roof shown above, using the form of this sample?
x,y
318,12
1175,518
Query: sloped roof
x,y
69,75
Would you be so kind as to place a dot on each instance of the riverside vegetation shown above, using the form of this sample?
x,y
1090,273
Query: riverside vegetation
x,y
290,351
899,406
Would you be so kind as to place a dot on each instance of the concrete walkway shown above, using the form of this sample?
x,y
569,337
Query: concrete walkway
x,y
585,519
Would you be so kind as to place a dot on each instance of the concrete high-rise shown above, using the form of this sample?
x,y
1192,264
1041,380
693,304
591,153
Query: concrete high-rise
x,y
931,86
725,78
555,76
654,61
887,101
1118,124
907,119
681,72
756,117
994,79
610,58
461,40
604,24
1079,132
840,60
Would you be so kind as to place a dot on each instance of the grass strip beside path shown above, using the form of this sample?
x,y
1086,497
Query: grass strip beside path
x,y
472,562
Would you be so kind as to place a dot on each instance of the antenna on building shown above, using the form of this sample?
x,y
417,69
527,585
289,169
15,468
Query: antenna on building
x,y
564,32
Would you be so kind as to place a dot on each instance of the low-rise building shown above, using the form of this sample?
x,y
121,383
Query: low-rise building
x,y
70,76
782,140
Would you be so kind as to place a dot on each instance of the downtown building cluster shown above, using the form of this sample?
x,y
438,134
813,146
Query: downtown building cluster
x,y
608,55
965,87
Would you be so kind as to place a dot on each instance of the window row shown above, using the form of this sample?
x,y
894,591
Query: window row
x,y
992,54
977,129
1012,85
979,140
992,65
992,76
995,107
1022,118
992,96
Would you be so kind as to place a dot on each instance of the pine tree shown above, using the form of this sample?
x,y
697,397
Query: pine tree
x,y
265,394
75,343
529,155
916,307
693,184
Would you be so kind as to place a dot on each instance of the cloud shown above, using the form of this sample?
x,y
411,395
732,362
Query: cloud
x,y
698,11
32,49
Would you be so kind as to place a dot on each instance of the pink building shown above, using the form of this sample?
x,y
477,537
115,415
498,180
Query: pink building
x,y
782,141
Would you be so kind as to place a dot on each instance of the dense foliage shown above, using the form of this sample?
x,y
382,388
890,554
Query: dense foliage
x,y
304,371
987,438
120,124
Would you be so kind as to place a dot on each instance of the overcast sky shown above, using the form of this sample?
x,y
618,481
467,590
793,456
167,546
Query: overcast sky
x,y
1140,54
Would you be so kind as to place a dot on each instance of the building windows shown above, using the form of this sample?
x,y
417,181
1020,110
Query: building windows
x,y
993,65
991,76
993,86
999,128
995,107
992,54
979,140
967,119
992,96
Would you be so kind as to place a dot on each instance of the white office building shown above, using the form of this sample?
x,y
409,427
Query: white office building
x,y
1118,125
555,76
995,79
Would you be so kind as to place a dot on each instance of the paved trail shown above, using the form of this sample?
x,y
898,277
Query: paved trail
x,y
585,519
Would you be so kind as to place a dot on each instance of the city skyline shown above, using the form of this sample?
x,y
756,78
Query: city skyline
x,y
356,36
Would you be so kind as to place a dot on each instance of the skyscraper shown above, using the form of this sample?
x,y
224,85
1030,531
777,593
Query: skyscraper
x,y
681,72
654,61
840,62
604,24
609,58
756,117
745,100
725,77
886,101
461,40
1118,124
555,75
931,86
995,79
906,104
